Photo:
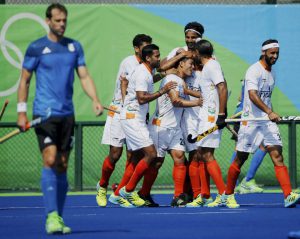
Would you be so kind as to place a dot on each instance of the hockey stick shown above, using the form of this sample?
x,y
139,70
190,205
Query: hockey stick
x,y
109,109
3,109
28,126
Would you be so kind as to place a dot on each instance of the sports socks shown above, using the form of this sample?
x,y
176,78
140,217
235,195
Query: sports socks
x,y
49,188
214,171
232,176
62,189
255,163
179,174
195,178
129,169
283,178
107,170
138,173
149,179
205,180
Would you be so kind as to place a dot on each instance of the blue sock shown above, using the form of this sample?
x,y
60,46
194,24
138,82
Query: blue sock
x,y
233,156
255,163
48,184
62,189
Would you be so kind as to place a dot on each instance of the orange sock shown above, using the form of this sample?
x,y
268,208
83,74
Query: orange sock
x,y
138,173
214,171
195,178
179,174
187,187
232,176
204,179
283,178
129,169
107,169
149,179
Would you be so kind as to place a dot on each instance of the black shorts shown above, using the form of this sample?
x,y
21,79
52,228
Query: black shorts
x,y
57,131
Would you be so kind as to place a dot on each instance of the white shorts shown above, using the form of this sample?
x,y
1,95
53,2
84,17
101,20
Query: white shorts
x,y
113,133
253,134
189,127
166,139
136,134
212,140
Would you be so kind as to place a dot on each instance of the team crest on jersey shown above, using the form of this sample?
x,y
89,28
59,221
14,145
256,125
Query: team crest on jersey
x,y
71,47
212,87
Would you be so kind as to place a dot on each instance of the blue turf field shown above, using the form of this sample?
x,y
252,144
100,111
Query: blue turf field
x,y
261,216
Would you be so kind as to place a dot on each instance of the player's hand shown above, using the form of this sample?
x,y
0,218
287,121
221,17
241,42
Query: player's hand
x,y
200,101
98,108
274,117
22,120
169,86
221,121
188,54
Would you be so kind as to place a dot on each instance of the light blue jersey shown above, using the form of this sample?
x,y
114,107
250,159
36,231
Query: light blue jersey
x,y
54,64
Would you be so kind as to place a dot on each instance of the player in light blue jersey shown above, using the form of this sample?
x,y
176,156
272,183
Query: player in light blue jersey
x,y
53,59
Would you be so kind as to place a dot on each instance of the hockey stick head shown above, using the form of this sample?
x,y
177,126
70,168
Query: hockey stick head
x,y
190,139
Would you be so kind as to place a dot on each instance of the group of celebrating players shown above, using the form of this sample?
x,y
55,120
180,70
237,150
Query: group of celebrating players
x,y
192,98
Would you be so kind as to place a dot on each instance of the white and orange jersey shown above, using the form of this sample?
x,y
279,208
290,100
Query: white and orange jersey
x,y
212,75
192,83
140,80
174,52
263,81
126,69
166,115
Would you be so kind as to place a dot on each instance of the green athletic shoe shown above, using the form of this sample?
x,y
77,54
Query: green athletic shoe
x,y
132,197
65,229
291,200
101,196
55,224
217,203
118,200
249,187
230,201
197,202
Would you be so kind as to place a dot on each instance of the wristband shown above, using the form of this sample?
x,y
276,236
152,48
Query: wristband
x,y
22,107
159,92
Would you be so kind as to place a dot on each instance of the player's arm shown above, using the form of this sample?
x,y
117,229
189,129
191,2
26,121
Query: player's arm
x,y
89,88
168,64
124,86
144,97
23,91
194,93
160,75
223,93
179,102
261,105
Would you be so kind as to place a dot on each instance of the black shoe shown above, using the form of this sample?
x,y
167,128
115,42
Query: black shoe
x,y
149,202
179,201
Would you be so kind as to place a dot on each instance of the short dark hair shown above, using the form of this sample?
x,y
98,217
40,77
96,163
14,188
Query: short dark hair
x,y
140,38
195,26
55,6
205,48
180,60
148,51
269,41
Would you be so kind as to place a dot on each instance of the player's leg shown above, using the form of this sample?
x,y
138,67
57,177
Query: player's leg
x,y
272,140
113,136
179,175
214,171
131,162
282,175
149,179
128,191
248,184
232,176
